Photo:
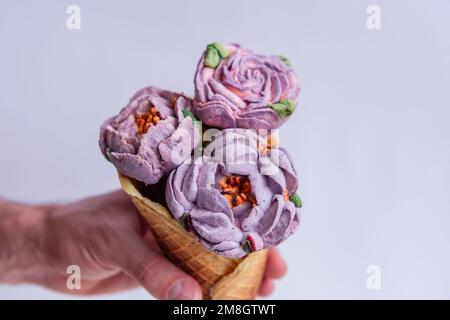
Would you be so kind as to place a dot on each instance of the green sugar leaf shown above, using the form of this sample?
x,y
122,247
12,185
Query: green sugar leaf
x,y
284,108
221,49
290,106
296,200
188,113
280,109
285,60
212,57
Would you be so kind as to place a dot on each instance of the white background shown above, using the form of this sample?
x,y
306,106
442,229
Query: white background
x,y
370,138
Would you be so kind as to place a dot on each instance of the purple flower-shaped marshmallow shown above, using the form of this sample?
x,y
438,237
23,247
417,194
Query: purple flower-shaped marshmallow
x,y
245,203
151,136
237,88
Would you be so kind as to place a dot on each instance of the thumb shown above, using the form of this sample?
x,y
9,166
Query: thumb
x,y
156,273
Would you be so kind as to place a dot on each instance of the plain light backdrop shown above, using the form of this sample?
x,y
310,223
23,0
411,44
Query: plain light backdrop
x,y
370,137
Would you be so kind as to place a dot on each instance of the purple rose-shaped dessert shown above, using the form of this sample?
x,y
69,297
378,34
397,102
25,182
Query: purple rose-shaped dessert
x,y
239,196
237,88
151,136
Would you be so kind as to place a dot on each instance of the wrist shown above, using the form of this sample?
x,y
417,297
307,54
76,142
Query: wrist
x,y
21,233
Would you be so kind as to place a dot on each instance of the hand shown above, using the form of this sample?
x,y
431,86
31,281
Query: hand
x,y
275,269
107,238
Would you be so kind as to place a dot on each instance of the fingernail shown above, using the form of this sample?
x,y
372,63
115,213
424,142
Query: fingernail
x,y
184,290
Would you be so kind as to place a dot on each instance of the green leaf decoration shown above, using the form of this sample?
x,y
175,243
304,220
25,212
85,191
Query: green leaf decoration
x,y
215,52
290,106
280,109
197,123
284,108
188,113
212,57
221,49
296,200
285,60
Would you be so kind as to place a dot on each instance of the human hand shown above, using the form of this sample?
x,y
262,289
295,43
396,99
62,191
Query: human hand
x,y
275,269
113,246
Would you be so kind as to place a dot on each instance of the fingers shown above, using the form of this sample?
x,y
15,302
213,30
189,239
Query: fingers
x,y
157,274
149,238
276,266
275,269
115,283
266,287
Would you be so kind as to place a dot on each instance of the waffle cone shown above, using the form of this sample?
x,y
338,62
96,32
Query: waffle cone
x,y
220,277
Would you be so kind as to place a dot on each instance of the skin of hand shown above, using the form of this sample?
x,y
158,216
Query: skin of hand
x,y
107,238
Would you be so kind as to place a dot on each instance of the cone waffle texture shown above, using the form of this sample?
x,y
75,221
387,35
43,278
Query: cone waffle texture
x,y
220,277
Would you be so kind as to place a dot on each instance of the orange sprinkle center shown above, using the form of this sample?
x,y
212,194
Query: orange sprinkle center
x,y
286,195
144,121
237,190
